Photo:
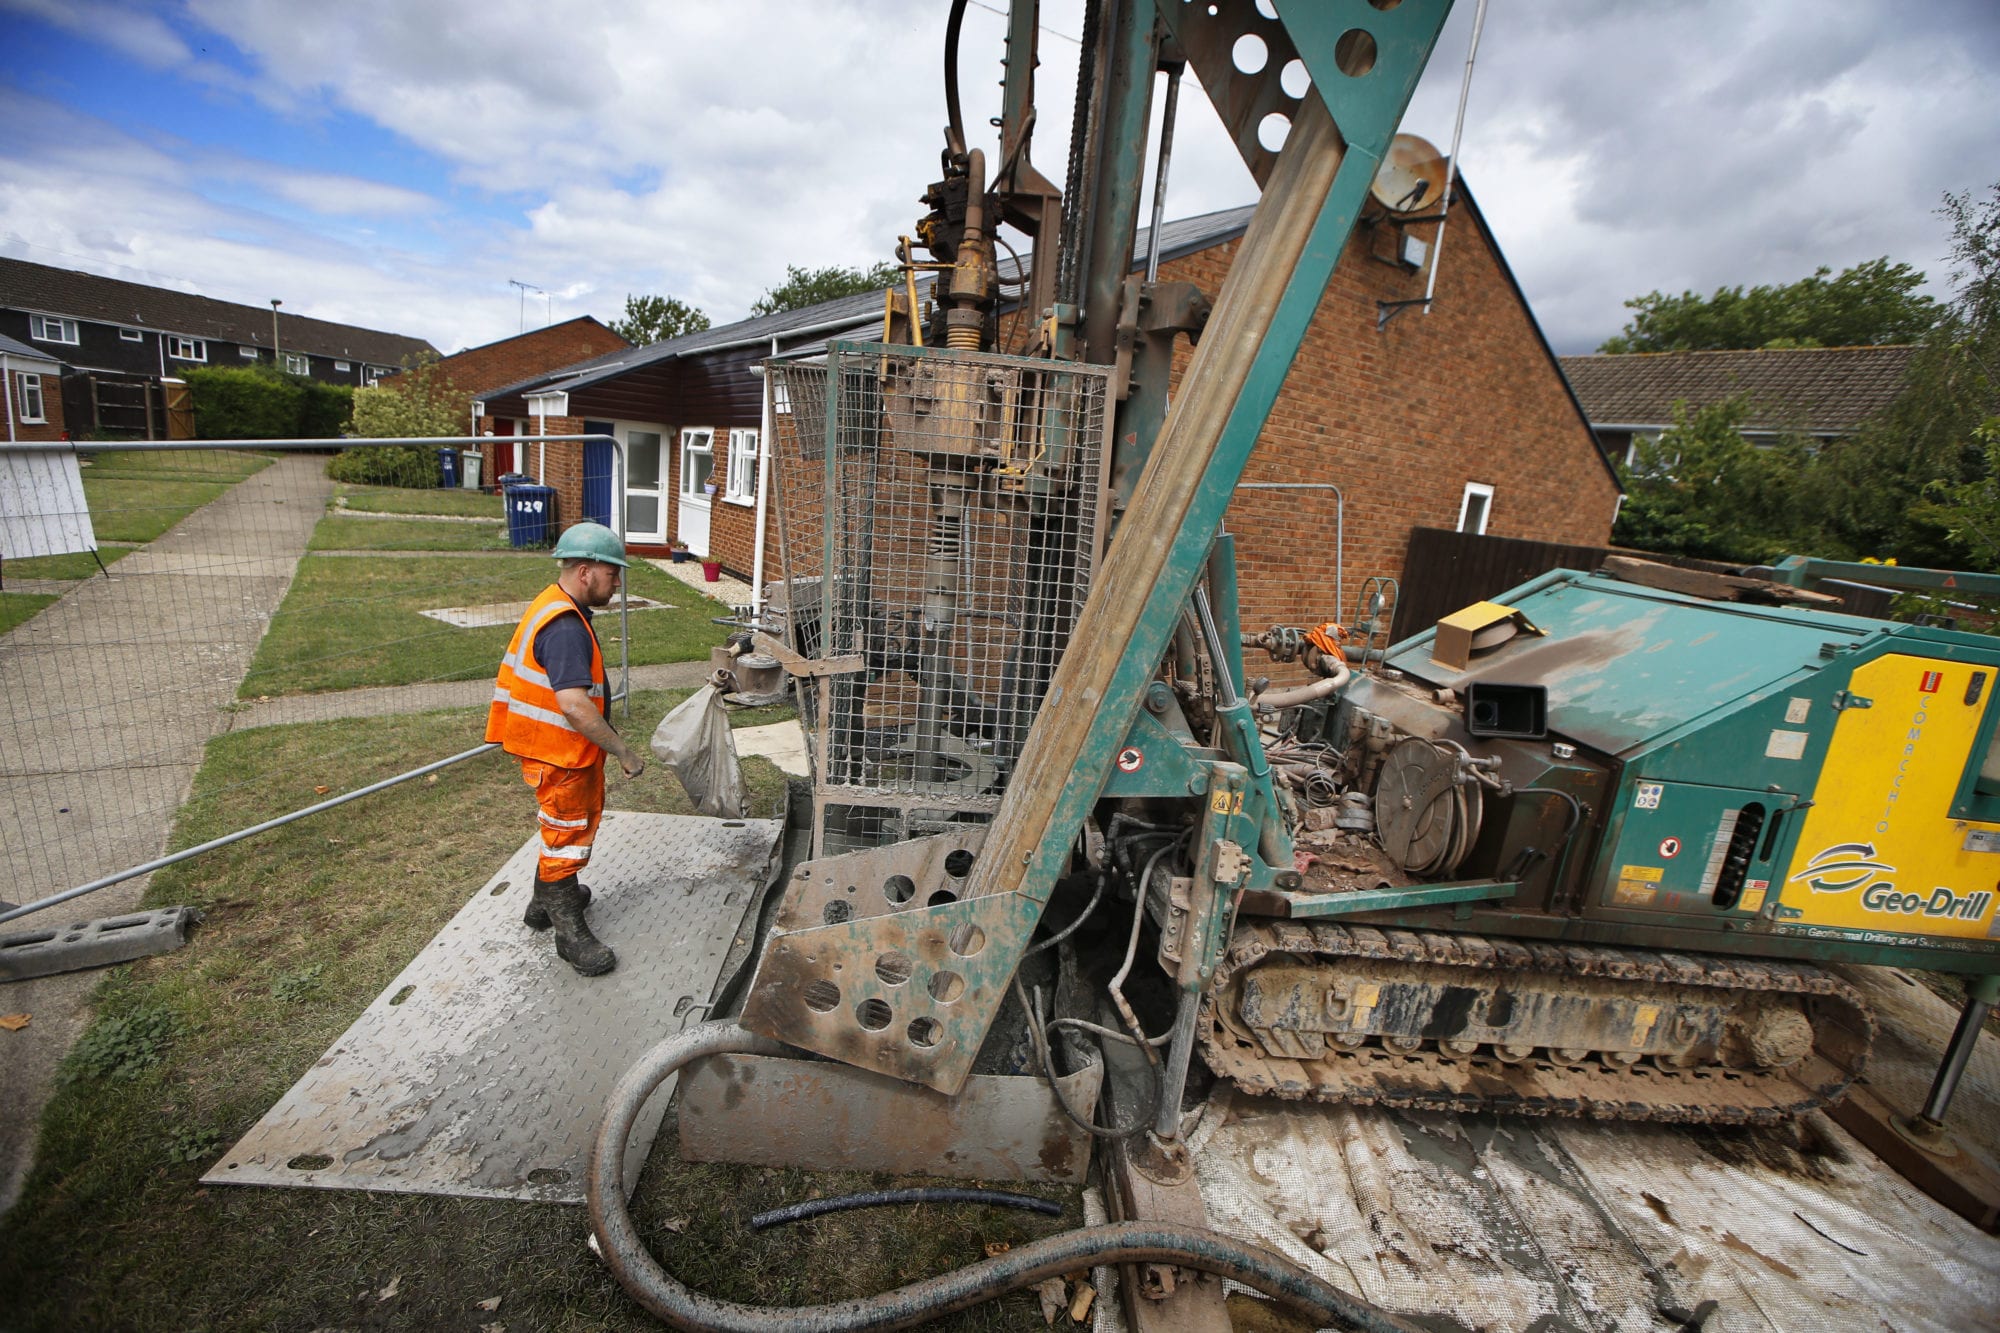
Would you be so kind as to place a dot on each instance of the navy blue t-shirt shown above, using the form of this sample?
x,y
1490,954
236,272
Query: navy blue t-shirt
x,y
563,648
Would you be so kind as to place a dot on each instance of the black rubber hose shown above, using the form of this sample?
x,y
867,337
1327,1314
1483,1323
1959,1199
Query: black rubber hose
x,y
910,1306
811,1208
954,120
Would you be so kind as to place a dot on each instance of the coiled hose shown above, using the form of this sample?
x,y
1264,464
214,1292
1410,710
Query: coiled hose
x,y
907,1307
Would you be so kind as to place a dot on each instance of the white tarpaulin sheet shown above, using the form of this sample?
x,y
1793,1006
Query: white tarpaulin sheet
x,y
42,509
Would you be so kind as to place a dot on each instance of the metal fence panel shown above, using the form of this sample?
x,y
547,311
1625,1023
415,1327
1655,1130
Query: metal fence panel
x,y
235,591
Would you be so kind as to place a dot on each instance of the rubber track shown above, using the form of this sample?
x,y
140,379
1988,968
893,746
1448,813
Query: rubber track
x,y
1430,1079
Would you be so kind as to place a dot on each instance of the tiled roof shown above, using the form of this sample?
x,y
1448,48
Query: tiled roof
x,y
1818,390
20,351
844,314
61,291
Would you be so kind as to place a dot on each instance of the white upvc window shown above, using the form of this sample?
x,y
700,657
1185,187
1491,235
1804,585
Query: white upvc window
x,y
341,365
742,487
247,353
28,397
132,335
297,363
186,349
51,329
1474,507
697,464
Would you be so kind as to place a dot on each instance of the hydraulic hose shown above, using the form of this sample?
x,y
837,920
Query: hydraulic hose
x,y
811,1208
907,1307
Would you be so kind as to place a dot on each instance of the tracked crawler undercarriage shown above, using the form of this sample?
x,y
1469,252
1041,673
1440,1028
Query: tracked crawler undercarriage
x,y
1464,1023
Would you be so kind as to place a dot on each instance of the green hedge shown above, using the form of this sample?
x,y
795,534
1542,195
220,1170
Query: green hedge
x,y
386,465
262,403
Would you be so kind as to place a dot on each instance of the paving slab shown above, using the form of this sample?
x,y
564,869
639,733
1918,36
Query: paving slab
x,y
483,1069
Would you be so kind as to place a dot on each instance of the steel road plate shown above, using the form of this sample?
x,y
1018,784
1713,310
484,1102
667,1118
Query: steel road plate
x,y
484,1068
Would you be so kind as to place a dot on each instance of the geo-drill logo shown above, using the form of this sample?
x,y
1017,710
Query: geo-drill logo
x,y
1850,865
1842,867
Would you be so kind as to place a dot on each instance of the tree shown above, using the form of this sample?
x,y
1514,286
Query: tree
x,y
420,403
1870,304
1931,463
652,319
1703,490
808,287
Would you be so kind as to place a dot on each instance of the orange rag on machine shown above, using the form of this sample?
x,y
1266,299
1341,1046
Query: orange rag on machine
x,y
1327,638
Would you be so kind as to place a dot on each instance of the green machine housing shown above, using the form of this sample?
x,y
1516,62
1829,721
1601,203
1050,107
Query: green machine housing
x,y
1757,780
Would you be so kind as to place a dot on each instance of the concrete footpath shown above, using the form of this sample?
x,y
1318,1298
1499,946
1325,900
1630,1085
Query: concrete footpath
x,y
115,689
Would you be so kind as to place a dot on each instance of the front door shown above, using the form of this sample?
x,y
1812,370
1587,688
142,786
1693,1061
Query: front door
x,y
645,506
697,487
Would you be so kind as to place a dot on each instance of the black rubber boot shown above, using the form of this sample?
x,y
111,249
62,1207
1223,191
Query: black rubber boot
x,y
537,916
575,945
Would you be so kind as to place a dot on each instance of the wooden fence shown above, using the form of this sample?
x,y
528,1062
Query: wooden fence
x,y
1444,571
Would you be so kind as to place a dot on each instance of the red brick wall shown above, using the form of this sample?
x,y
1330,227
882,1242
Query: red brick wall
x,y
1400,420
512,360
51,427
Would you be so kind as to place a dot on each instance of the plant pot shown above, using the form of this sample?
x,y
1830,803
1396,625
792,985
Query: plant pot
x,y
711,570
680,557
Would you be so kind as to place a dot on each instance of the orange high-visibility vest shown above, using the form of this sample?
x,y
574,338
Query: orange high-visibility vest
x,y
525,718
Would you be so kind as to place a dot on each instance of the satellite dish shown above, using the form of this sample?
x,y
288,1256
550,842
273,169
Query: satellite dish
x,y
1412,176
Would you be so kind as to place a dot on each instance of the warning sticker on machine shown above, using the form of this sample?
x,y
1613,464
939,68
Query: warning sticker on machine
x,y
1797,710
1786,745
1752,900
1648,796
1637,886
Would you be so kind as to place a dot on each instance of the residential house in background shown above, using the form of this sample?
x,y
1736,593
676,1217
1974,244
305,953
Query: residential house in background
x,y
1818,393
1392,418
30,389
119,340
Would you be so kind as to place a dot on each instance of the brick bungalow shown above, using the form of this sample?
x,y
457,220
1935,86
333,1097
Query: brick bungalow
x,y
30,393
522,356
1456,418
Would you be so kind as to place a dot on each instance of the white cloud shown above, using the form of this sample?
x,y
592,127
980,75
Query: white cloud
x,y
698,149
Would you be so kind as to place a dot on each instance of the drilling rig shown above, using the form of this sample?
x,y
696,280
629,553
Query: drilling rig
x,y
1583,849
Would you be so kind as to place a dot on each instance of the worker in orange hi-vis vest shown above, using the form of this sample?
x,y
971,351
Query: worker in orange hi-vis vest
x,y
549,711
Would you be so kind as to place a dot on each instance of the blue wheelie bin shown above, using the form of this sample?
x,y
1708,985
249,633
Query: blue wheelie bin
x,y
531,514
447,467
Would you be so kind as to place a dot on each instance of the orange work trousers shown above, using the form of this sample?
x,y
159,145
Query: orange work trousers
x,y
570,805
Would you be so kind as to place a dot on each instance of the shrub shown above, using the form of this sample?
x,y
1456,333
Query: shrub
x,y
385,465
262,403
244,404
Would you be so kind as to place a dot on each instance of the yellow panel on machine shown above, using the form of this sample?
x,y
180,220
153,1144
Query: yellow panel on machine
x,y
1892,842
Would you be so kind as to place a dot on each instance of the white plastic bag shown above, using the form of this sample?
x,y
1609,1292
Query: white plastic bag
x,y
694,741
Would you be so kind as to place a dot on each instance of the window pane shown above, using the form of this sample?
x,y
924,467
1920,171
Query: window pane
x,y
642,513
642,458
696,469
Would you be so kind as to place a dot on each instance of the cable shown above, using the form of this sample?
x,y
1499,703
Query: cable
x,y
811,1208
1071,929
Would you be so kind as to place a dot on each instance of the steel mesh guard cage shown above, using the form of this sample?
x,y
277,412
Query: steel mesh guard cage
x,y
954,498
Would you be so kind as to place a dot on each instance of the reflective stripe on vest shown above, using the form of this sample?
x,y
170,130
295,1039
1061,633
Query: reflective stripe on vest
x,y
525,716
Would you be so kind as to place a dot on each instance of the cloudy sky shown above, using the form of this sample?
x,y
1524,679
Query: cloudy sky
x,y
396,164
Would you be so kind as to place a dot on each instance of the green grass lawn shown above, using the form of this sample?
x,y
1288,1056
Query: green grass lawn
x,y
73,565
305,925
349,622
135,495
338,533
17,607
406,500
